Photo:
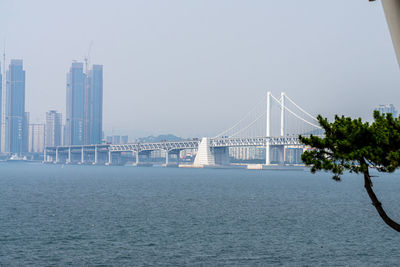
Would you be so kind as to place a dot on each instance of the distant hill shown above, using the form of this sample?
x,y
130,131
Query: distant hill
x,y
160,138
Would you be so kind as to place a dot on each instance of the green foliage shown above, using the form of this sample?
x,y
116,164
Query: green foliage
x,y
353,145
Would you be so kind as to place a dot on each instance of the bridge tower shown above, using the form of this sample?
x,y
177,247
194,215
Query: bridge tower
x,y
283,95
268,130
283,114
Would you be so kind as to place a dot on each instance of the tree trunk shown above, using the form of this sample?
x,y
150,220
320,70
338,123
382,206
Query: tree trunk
x,y
377,204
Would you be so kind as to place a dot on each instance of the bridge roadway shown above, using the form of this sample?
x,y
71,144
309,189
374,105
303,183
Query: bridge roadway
x,y
54,153
185,144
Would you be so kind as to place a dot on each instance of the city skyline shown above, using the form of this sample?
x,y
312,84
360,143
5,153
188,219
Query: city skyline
x,y
83,125
88,82
165,74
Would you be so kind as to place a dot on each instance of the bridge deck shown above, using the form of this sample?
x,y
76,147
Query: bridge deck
x,y
179,145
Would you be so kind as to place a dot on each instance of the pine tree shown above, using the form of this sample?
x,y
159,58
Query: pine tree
x,y
356,146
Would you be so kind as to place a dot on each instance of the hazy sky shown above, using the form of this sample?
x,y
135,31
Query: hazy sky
x,y
192,68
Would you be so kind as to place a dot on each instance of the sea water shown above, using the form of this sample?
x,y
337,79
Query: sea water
x,y
55,215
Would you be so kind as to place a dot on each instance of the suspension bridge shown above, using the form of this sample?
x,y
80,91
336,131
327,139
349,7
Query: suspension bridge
x,y
273,124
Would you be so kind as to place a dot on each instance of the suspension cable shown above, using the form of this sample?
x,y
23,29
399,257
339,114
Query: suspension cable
x,y
297,106
248,126
294,114
242,119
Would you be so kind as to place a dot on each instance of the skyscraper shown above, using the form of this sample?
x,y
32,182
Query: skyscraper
x,y
74,128
16,119
95,104
84,105
53,128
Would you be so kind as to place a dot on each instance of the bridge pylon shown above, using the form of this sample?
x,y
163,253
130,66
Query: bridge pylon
x,y
268,130
282,113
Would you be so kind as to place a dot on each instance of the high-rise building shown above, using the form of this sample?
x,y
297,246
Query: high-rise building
x,y
247,153
387,108
84,105
293,155
53,128
16,131
74,128
25,135
116,139
36,141
95,123
124,139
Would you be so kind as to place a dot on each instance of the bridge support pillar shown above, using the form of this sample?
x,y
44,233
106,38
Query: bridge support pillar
x,y
82,155
168,154
69,159
221,155
178,157
56,155
284,155
45,155
166,157
109,157
267,153
137,157
95,155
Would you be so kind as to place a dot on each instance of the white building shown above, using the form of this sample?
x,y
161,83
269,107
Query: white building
x,y
387,108
36,140
247,153
53,128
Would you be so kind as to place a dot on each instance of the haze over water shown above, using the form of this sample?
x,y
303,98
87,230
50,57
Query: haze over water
x,y
193,68
124,216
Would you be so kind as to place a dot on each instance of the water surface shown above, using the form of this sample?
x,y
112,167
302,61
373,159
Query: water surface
x,y
124,216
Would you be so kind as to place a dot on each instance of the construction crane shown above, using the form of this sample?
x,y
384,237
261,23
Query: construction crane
x,y
86,110
87,57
